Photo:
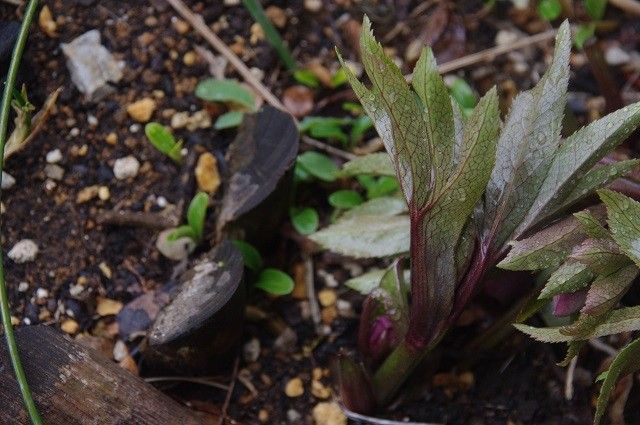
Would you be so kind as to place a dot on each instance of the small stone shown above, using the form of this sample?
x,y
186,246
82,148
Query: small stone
x,y
327,297
251,350
180,26
298,100
162,202
54,171
505,37
108,307
313,5
142,110
190,58
329,314
24,251
91,65
125,168
70,326
294,388
263,416
103,193
42,293
328,413
92,120
54,156
293,416
120,351
179,120
111,139
276,15
257,34
319,390
74,132
8,181
23,287
207,174
105,269
86,194
616,56
229,3
46,22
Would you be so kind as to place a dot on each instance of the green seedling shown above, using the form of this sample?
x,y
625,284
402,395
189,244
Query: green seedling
x,y
305,220
162,139
270,280
196,214
229,92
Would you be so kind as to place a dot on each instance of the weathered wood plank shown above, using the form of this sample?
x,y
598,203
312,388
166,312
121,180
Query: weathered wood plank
x,y
73,384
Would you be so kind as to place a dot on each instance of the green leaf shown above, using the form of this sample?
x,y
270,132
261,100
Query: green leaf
x,y
250,255
569,277
345,199
463,94
339,78
271,34
162,139
397,114
606,291
306,77
375,164
595,8
310,122
384,206
547,248
359,128
526,149
366,282
196,214
213,90
624,222
229,119
577,155
181,232
549,9
275,282
621,320
626,361
596,178
591,224
584,34
305,220
381,186
601,255
318,165
366,236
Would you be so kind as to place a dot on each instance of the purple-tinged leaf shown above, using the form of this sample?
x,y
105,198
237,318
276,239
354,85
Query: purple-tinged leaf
x,y
355,385
624,222
606,291
569,277
567,304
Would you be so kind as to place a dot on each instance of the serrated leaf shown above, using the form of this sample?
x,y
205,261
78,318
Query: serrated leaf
x,y
624,222
596,178
606,290
375,164
573,348
626,361
577,155
592,226
621,320
569,277
527,145
600,255
366,236
367,282
547,248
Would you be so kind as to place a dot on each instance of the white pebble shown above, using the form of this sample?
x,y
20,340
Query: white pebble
x,y
74,132
162,201
8,181
126,167
54,156
92,120
42,293
23,251
616,56
23,287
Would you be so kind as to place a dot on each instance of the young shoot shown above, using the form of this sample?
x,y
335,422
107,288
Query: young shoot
x,y
162,139
270,280
196,213
471,186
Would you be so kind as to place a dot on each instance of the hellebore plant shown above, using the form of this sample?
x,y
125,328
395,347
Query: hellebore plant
x,y
471,185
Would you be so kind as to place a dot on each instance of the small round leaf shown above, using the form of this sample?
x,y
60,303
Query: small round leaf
x,y
275,282
345,199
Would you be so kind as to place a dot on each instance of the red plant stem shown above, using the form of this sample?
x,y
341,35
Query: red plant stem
x,y
469,285
420,321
